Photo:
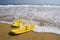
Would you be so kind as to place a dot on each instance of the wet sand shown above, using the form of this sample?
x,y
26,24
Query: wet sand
x,y
5,29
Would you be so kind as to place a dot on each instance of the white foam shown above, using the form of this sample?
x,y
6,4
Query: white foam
x,y
29,12
46,29
6,22
28,6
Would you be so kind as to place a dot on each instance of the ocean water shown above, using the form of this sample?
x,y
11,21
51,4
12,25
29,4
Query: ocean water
x,y
45,17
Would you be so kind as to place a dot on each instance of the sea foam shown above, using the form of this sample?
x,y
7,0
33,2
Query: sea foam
x,y
45,17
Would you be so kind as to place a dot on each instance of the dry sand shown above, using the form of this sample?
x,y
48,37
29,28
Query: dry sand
x,y
5,29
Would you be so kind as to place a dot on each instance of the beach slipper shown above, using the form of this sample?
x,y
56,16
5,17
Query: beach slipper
x,y
18,23
23,29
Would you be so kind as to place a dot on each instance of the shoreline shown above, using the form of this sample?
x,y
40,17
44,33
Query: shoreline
x,y
5,29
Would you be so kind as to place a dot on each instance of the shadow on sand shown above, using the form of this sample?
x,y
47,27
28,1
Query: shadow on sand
x,y
12,34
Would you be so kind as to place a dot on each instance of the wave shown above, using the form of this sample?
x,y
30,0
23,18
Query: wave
x,y
41,15
48,29
29,5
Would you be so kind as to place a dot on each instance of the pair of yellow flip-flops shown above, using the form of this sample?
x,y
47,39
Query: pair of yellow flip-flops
x,y
21,27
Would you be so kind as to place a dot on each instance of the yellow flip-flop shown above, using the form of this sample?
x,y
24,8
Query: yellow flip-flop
x,y
18,23
23,29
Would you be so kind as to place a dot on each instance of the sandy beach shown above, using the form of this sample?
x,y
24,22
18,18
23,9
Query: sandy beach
x,y
5,29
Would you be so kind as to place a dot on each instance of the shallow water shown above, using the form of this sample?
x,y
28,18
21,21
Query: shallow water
x,y
41,15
